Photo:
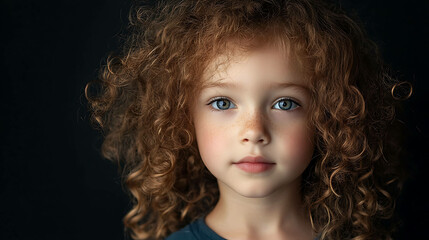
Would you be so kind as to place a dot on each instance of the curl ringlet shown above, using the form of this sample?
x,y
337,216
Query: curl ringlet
x,y
396,92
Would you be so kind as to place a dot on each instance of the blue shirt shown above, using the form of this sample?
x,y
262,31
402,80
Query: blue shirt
x,y
197,230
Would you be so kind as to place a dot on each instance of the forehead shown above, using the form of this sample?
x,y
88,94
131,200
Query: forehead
x,y
267,62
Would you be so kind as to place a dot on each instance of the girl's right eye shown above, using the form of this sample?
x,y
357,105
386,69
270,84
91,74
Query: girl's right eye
x,y
221,104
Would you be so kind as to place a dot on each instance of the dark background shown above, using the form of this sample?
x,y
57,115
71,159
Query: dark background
x,y
55,185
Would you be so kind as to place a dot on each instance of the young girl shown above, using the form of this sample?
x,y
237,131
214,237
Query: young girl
x,y
261,119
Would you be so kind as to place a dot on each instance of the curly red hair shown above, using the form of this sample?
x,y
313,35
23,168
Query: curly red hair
x,y
146,93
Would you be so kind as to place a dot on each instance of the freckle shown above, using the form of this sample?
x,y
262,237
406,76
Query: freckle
x,y
249,124
253,121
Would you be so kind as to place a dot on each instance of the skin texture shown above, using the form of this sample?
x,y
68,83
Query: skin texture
x,y
264,205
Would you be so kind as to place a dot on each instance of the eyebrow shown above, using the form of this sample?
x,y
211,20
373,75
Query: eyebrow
x,y
273,86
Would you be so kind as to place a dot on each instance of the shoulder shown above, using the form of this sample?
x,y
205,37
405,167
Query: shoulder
x,y
197,230
185,233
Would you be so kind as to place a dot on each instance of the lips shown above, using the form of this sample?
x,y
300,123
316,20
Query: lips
x,y
256,164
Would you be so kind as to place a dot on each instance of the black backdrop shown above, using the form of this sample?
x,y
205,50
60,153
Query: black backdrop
x,y
53,182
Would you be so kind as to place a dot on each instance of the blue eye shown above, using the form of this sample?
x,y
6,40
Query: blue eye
x,y
222,104
285,104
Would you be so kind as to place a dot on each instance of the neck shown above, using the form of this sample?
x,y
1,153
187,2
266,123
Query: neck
x,y
279,215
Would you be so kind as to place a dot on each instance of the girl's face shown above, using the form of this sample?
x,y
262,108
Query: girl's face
x,y
250,122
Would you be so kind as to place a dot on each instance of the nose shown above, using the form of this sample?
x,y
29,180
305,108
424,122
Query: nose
x,y
254,129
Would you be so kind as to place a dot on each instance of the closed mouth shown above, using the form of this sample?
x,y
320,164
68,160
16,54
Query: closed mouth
x,y
256,164
254,159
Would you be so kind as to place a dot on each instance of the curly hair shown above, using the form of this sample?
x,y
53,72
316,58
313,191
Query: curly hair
x,y
145,94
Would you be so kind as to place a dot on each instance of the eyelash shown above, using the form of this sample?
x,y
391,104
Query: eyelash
x,y
213,100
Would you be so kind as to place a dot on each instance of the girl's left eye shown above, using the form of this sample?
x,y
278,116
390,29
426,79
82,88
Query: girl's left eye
x,y
286,104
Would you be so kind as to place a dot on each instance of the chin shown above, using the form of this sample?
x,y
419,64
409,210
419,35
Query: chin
x,y
254,190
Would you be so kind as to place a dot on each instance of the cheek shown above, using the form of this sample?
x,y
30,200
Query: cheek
x,y
210,141
298,143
